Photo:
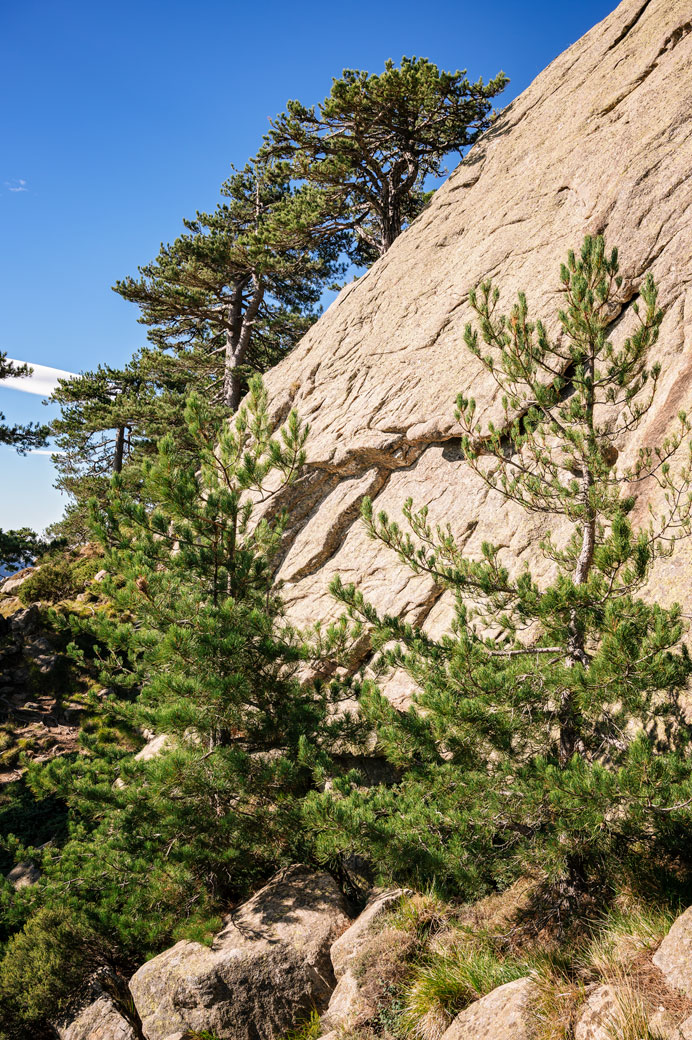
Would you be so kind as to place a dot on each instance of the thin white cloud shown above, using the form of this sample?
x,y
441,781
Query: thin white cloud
x,y
45,451
16,185
42,381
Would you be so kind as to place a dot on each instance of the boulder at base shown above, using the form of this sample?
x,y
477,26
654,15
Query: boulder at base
x,y
600,1016
501,1015
674,955
266,969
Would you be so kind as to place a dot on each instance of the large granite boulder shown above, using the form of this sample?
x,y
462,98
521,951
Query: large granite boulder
x,y
600,142
674,955
503,1014
268,967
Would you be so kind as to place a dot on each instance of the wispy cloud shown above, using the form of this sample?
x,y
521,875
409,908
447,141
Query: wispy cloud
x,y
45,451
17,184
43,380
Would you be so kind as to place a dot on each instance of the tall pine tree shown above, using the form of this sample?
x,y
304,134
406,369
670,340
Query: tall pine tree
x,y
245,279
371,144
193,645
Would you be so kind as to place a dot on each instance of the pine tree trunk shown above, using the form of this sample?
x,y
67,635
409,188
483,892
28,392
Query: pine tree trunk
x,y
119,449
570,740
231,383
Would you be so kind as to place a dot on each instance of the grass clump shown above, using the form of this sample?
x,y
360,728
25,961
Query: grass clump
x,y
459,968
309,1029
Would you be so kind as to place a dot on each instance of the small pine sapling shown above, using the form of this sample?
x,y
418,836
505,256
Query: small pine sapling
x,y
547,731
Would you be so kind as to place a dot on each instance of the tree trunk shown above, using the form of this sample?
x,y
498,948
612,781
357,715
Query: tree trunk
x,y
570,740
119,449
231,382
238,341
391,223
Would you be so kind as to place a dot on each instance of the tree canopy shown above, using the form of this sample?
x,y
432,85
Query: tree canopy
x,y
371,144
22,438
245,279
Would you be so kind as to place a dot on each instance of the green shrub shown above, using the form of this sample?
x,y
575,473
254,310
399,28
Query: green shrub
x,y
44,967
58,579
451,980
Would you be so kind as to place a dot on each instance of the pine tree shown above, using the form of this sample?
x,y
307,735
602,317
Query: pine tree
x,y
245,279
31,435
547,734
18,547
112,419
370,145
193,645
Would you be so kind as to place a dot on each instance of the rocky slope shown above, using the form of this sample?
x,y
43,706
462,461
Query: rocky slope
x,y
600,142
291,955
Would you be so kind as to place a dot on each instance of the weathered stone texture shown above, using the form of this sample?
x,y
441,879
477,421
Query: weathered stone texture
x,y
600,142
674,955
504,1014
346,1000
600,1016
101,1020
267,967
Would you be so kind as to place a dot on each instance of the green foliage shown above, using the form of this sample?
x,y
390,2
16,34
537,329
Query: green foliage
x,y
60,577
369,146
32,820
43,968
193,645
310,1029
19,549
22,438
547,733
244,281
448,981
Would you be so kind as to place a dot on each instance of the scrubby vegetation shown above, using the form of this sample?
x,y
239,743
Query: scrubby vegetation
x,y
60,577
429,959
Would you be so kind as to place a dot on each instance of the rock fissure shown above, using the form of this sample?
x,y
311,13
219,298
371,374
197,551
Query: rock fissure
x,y
669,44
629,26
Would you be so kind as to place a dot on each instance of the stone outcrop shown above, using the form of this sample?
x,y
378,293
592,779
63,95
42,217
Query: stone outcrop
x,y
268,967
674,955
11,585
346,1000
33,694
101,1020
600,142
23,874
504,1014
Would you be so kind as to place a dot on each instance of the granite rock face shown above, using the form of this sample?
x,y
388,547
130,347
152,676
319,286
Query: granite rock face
x,y
600,142
268,966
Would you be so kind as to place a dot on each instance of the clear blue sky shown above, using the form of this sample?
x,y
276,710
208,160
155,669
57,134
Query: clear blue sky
x,y
120,119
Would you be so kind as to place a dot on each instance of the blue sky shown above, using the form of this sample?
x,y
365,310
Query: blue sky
x,y
119,119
